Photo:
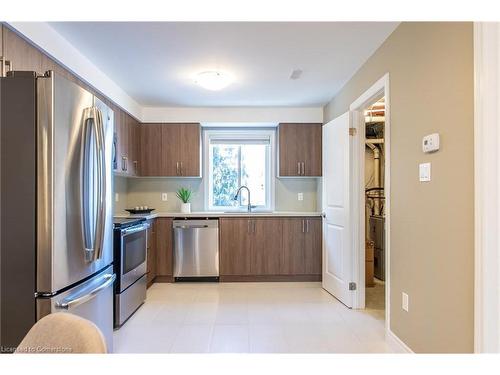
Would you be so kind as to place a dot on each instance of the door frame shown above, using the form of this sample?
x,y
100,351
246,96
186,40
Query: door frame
x,y
377,90
486,187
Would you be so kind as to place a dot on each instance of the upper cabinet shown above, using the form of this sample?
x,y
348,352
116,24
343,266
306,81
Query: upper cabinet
x,y
299,150
126,136
170,150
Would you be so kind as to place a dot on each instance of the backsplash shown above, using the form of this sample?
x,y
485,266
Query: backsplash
x,y
147,192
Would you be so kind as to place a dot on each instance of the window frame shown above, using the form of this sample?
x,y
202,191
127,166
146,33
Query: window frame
x,y
248,133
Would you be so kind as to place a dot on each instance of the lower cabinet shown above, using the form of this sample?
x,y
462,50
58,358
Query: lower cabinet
x,y
151,253
270,248
163,247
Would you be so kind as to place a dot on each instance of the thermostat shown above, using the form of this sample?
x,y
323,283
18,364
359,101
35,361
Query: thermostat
x,y
430,143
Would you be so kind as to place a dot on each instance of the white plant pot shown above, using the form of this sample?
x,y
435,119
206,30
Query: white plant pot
x,y
186,208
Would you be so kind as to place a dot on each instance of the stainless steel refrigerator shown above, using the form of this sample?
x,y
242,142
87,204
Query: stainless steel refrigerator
x,y
56,204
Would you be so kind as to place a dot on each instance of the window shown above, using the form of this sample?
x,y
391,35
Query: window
x,y
236,158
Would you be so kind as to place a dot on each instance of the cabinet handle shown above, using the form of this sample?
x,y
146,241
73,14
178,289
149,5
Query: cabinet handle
x,y
124,163
253,222
248,226
177,168
307,226
182,173
298,168
303,224
303,168
135,167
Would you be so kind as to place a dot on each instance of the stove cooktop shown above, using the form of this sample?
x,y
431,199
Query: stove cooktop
x,y
125,222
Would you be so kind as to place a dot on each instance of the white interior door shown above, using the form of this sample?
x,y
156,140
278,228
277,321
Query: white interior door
x,y
337,245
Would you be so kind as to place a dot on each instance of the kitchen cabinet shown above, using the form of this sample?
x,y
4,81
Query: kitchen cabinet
x,y
126,131
151,252
163,247
234,246
266,246
300,150
302,246
170,150
270,248
150,149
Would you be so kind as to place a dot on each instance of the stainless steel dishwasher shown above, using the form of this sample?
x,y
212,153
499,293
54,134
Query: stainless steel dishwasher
x,y
196,250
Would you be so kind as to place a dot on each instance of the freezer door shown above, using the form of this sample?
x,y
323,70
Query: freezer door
x,y
74,216
92,300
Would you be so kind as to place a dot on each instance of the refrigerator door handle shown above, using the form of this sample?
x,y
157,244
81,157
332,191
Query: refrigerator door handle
x,y
80,298
92,205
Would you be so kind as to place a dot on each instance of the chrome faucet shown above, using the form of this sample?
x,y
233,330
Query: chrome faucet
x,y
238,192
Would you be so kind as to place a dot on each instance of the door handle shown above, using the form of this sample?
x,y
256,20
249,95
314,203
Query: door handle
x,y
92,221
75,300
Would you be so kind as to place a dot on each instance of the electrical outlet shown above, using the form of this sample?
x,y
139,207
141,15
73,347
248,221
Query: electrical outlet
x,y
117,197
405,302
164,197
300,196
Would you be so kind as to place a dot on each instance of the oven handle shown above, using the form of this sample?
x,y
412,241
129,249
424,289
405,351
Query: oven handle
x,y
135,229
73,301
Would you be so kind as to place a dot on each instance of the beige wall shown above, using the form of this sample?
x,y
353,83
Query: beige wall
x,y
432,253
147,192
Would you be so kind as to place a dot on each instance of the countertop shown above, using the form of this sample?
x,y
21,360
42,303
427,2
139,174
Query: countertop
x,y
223,214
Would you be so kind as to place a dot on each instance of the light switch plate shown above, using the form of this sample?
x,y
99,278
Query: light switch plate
x,y
405,302
164,197
300,196
424,172
430,143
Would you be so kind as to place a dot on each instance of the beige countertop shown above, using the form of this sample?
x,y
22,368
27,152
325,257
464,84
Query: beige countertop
x,y
224,214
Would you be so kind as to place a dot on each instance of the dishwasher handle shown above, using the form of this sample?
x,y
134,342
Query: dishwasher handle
x,y
190,226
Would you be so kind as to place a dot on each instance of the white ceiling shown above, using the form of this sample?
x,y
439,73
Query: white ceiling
x,y
155,62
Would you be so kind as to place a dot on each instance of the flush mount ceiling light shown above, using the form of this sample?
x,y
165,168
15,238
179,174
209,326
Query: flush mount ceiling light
x,y
213,80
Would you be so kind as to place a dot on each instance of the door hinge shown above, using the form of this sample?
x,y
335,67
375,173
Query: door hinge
x,y
352,131
352,286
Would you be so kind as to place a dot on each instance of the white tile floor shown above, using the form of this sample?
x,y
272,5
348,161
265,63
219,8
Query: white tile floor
x,y
249,318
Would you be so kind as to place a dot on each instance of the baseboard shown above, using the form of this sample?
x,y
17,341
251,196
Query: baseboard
x,y
395,340
269,278
163,279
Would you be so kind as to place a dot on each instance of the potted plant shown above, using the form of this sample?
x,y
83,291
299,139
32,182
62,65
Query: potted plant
x,y
185,195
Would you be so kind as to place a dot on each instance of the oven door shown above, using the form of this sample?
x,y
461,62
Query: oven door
x,y
133,254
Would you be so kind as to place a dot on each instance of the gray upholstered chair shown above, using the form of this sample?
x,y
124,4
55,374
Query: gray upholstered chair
x,y
63,333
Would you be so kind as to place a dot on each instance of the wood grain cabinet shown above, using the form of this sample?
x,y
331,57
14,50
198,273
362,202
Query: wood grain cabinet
x,y
170,150
151,252
302,241
300,150
276,248
127,134
163,247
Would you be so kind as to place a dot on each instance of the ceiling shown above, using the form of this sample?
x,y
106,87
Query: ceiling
x,y
154,62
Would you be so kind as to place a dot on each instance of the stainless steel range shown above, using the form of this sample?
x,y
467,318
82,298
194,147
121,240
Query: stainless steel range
x,y
130,254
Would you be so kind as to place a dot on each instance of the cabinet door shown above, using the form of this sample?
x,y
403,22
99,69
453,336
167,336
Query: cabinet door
x,y
293,259
21,54
291,149
151,263
164,258
189,138
235,247
313,246
132,146
171,147
150,150
312,138
123,160
266,246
